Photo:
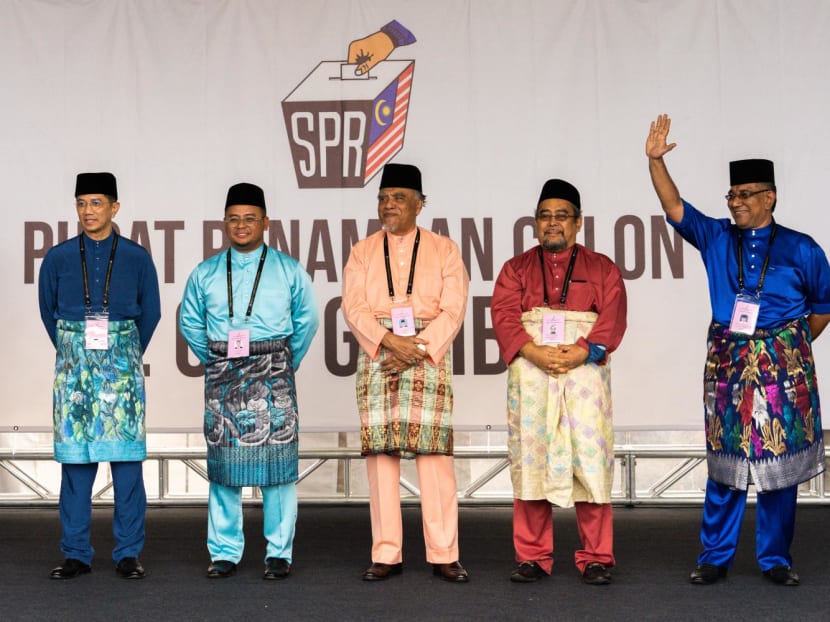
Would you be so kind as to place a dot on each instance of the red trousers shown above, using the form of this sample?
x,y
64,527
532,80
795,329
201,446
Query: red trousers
x,y
533,533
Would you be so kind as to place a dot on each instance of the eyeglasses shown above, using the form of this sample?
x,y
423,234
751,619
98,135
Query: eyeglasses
x,y
235,221
558,216
743,195
95,204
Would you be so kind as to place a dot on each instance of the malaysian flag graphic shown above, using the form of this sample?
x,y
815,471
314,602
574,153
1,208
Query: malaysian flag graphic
x,y
388,123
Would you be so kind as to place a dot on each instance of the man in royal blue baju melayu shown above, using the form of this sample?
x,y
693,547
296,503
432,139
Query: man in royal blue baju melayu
x,y
769,287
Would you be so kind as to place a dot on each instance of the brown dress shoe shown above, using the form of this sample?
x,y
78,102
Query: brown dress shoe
x,y
380,572
453,572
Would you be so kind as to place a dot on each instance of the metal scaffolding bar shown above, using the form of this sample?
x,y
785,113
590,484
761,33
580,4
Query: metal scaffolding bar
x,y
663,491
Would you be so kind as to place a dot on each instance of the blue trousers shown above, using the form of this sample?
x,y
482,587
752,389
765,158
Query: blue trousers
x,y
75,509
723,512
225,538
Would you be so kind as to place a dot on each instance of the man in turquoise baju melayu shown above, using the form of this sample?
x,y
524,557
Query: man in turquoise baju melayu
x,y
249,315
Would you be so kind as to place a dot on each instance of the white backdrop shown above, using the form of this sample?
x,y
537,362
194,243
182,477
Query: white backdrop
x,y
180,99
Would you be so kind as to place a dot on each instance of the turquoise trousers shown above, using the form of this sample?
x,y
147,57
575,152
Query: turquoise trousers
x,y
225,538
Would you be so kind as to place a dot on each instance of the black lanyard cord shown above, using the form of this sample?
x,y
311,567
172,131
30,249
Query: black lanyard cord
x,y
389,282
763,267
87,296
256,283
566,285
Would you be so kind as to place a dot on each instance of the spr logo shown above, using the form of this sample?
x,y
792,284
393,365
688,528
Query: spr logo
x,y
345,120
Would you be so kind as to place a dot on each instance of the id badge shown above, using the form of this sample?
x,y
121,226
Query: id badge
x,y
403,321
239,343
745,314
96,329
553,328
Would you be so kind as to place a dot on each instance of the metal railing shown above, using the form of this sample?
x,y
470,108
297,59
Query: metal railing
x,y
684,460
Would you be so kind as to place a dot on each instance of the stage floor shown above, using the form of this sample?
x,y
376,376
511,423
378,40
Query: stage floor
x,y
655,548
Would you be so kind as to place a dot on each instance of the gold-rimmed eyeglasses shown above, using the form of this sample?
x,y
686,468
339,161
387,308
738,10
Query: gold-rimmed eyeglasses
x,y
743,195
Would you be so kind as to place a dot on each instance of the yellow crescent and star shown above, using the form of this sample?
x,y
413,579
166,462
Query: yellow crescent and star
x,y
382,108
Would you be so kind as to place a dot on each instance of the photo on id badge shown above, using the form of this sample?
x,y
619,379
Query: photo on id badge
x,y
744,314
403,321
553,328
239,343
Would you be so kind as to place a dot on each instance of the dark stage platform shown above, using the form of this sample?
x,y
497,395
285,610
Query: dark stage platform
x,y
655,547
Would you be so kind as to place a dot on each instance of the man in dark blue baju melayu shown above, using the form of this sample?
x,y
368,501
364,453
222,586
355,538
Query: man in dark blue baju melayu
x,y
99,302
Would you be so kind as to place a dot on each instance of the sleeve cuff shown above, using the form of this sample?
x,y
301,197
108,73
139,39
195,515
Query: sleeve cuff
x,y
596,351
398,33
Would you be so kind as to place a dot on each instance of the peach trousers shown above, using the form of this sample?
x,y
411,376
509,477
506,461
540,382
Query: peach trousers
x,y
439,507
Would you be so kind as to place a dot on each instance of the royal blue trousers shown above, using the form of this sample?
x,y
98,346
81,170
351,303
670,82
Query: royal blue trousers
x,y
723,512
75,508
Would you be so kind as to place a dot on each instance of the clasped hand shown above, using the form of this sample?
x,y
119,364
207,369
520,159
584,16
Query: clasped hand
x,y
403,352
555,359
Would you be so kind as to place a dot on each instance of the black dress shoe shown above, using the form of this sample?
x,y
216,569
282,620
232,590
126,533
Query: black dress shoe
x,y
221,569
782,575
704,574
130,568
380,572
527,572
70,569
453,572
276,568
596,574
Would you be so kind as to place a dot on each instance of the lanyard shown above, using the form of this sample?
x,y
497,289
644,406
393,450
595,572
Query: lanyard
x,y
567,282
411,265
763,268
256,283
87,297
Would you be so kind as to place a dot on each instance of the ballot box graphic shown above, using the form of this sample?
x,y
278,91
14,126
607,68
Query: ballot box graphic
x,y
342,128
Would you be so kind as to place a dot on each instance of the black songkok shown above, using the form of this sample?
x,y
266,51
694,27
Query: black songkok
x,y
245,194
96,183
750,172
559,189
401,176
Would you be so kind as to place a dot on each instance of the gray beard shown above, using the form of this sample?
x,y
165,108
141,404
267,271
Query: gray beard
x,y
555,247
